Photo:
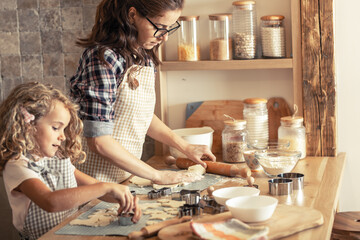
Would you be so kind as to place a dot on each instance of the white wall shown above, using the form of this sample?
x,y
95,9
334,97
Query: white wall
x,y
191,86
347,52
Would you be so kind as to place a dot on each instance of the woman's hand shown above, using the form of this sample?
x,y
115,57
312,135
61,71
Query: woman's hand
x,y
172,177
197,153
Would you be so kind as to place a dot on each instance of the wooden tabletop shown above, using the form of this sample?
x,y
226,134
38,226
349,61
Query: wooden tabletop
x,y
321,191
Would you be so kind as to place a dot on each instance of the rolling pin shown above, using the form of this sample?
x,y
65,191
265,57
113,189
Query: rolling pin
x,y
152,230
220,168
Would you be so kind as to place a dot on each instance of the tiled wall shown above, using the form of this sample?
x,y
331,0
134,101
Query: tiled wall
x,y
37,40
37,43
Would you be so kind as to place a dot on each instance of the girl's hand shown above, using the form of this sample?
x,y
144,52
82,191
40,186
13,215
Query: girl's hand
x,y
197,153
172,177
124,197
136,210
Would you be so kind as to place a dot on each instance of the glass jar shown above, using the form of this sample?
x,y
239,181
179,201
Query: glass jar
x,y
256,115
272,36
220,41
188,42
244,30
234,139
291,129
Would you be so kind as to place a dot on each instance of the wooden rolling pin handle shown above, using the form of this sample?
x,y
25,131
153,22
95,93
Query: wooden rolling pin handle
x,y
149,231
220,168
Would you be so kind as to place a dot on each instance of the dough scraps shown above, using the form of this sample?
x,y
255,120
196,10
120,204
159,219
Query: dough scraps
x,y
173,204
161,216
172,211
100,218
151,211
145,206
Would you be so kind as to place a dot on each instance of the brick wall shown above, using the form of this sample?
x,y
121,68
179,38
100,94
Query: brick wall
x,y
37,40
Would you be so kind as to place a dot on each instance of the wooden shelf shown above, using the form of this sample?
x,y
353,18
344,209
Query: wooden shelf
x,y
282,63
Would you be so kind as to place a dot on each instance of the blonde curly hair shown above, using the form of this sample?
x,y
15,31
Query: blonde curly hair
x,y
17,134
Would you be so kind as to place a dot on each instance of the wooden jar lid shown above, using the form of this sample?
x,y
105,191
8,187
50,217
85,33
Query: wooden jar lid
x,y
188,18
220,16
255,100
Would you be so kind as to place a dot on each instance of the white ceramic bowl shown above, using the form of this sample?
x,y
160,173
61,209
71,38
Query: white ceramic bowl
x,y
197,136
223,194
252,208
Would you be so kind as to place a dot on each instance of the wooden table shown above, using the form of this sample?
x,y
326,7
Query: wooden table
x,y
321,191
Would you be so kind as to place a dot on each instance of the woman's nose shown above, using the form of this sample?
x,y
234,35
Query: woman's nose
x,y
62,137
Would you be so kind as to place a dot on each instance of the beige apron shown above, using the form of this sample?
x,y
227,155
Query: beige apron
x,y
134,110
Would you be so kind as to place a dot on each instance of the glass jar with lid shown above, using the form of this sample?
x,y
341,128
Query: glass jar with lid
x,y
234,140
272,36
244,32
220,41
255,113
188,42
292,129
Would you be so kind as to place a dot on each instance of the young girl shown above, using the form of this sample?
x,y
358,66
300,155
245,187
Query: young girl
x,y
39,141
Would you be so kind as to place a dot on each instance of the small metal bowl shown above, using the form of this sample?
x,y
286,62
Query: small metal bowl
x,y
280,186
298,179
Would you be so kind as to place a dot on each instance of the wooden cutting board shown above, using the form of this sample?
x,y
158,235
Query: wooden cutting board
x,y
285,221
211,113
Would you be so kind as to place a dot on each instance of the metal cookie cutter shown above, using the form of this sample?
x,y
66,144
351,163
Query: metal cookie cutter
x,y
165,191
133,193
191,197
154,194
210,206
190,210
254,185
124,219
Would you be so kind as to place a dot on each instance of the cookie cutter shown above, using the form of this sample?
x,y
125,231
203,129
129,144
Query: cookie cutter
x,y
133,193
298,179
209,205
124,219
280,186
154,194
190,210
165,191
190,197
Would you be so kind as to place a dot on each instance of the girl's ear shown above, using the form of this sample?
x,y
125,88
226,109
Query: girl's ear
x,y
131,15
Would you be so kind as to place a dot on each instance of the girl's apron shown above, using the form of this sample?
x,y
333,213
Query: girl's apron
x,y
134,111
57,174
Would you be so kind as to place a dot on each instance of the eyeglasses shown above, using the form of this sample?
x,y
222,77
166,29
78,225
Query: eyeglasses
x,y
162,31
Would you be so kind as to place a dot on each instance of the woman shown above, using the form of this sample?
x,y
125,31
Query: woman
x,y
115,87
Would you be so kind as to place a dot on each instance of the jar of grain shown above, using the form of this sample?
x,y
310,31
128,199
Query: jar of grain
x,y
234,140
292,130
272,36
188,42
244,30
220,41
256,115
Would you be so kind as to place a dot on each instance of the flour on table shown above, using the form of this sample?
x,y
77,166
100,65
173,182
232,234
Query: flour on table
x,y
100,218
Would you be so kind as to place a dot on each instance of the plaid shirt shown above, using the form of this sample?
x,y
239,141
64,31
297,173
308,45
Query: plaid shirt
x,y
94,87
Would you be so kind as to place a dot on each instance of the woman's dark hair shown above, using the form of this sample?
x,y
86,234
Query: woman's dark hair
x,y
112,28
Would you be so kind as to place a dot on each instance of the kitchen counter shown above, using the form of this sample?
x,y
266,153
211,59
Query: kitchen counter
x,y
321,191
